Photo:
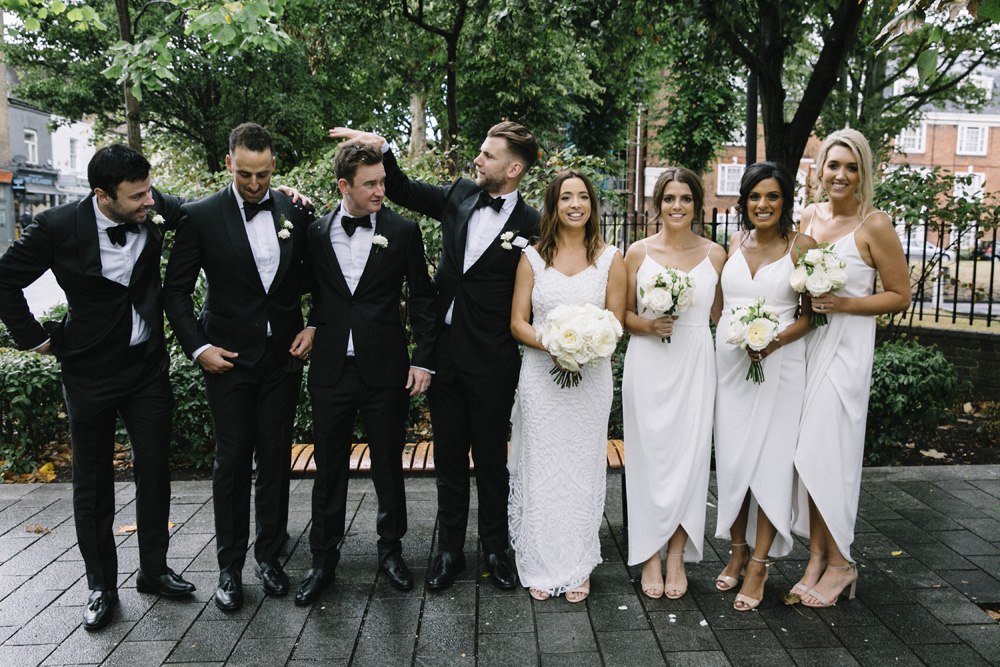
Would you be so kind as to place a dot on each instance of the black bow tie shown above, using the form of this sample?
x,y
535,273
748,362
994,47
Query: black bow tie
x,y
495,203
251,209
350,224
117,233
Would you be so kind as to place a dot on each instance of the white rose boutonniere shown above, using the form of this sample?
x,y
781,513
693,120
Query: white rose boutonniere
x,y
380,242
506,238
155,217
286,229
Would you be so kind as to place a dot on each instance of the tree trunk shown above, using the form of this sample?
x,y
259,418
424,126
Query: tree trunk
x,y
451,93
131,103
418,123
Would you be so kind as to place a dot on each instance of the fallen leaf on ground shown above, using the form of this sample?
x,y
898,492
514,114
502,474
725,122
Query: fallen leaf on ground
x,y
126,529
995,615
790,598
968,408
945,427
897,553
36,528
932,453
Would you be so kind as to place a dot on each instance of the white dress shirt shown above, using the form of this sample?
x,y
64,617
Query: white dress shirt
x,y
264,246
352,255
118,262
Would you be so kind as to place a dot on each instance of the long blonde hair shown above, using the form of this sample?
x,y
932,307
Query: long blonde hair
x,y
855,142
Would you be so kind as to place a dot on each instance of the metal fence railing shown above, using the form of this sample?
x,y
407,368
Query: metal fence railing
x,y
954,274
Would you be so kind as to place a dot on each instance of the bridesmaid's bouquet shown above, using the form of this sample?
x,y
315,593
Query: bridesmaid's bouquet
x,y
819,271
753,326
667,292
578,336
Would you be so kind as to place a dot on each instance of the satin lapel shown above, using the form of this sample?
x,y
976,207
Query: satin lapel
x,y
494,250
154,242
333,264
376,255
86,231
237,231
460,237
282,211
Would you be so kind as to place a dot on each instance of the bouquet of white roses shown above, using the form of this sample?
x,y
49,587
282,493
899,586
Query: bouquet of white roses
x,y
819,271
667,292
578,336
753,326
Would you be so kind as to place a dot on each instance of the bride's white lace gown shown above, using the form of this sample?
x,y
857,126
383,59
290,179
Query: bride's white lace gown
x,y
558,454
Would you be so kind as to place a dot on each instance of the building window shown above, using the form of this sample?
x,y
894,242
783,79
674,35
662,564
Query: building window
x,y
31,146
913,139
972,139
973,189
72,154
729,179
983,82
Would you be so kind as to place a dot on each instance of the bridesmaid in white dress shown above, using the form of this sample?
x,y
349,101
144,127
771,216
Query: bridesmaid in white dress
x,y
839,363
559,438
668,391
756,426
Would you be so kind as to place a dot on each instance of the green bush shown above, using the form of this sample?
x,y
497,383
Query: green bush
x,y
913,388
990,427
31,408
616,427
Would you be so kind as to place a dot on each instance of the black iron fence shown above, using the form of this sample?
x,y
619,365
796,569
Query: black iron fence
x,y
954,274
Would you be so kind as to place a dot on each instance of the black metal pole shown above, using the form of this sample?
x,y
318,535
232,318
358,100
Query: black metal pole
x,y
751,135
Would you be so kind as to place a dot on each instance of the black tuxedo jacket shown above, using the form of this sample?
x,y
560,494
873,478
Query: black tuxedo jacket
x,y
481,342
91,340
373,311
212,236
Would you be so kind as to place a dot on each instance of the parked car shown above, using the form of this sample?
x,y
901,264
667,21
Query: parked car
x,y
987,251
916,249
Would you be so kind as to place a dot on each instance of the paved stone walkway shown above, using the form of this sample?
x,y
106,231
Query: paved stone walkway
x,y
921,606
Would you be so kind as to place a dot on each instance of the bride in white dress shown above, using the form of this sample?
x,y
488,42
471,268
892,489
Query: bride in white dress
x,y
839,356
558,453
756,425
668,391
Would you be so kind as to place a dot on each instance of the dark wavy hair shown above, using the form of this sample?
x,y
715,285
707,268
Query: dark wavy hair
x,y
113,164
250,136
761,171
548,229
688,178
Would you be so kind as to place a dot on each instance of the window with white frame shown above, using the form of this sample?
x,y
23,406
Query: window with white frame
x,y
913,139
72,153
972,139
983,82
729,179
31,146
974,188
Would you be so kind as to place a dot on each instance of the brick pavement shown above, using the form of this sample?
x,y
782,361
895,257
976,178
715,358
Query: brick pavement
x,y
922,607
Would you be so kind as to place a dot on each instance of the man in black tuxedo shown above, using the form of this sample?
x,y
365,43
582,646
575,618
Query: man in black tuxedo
x,y
361,253
105,254
484,225
250,342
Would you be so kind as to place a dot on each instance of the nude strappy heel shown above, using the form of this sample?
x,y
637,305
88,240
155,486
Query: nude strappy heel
x,y
724,582
799,588
680,588
750,603
850,594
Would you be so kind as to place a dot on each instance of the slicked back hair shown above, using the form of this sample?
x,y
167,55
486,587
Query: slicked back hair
x,y
113,164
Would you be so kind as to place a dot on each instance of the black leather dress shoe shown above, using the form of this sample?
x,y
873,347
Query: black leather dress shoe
x,y
229,594
502,571
394,568
97,613
312,585
273,577
447,566
167,584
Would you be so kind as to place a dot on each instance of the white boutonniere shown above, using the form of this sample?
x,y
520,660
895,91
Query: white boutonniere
x,y
155,217
380,242
286,229
506,238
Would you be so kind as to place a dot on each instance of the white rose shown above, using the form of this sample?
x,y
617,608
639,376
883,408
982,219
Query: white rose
x,y
832,261
737,332
283,234
568,339
658,299
818,283
585,325
838,278
798,278
685,299
568,362
813,257
604,343
760,333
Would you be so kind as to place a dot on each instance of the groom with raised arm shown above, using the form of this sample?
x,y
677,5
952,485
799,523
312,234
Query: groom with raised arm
x,y
484,225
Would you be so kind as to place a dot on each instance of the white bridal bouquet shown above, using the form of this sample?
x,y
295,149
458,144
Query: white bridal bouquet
x,y
753,326
579,336
819,271
666,293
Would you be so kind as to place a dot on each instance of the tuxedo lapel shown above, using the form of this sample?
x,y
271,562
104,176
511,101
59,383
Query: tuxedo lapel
x,y
376,255
460,238
282,211
494,250
237,232
88,244
332,264
154,243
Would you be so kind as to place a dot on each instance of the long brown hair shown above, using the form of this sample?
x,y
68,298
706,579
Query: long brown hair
x,y
688,178
548,229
